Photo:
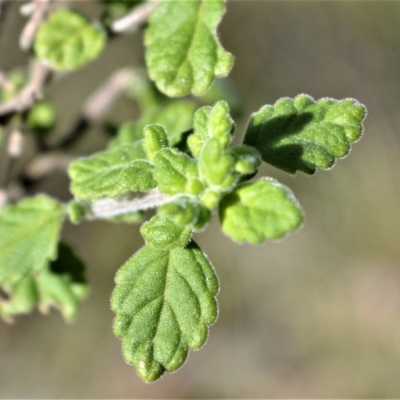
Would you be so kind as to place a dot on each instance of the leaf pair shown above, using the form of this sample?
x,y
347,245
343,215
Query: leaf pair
x,y
183,53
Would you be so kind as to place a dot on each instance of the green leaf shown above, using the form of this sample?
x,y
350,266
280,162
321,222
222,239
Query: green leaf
x,y
155,139
303,134
29,232
61,284
211,123
217,169
186,211
68,40
183,53
175,173
164,301
165,234
258,211
247,159
111,173
176,117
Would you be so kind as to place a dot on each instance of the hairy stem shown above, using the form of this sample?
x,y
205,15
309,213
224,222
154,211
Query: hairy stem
x,y
107,208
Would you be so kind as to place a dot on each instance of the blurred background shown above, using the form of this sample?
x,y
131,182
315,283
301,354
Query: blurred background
x,y
315,316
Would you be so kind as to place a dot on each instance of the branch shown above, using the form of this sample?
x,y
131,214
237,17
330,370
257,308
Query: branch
x,y
107,208
41,10
24,100
135,18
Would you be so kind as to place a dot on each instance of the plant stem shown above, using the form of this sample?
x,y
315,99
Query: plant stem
x,y
41,10
107,208
24,100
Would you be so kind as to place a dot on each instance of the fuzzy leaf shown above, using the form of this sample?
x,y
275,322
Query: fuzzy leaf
x,y
175,173
186,211
29,232
111,173
61,284
165,234
217,169
211,123
258,211
247,159
155,138
303,134
183,54
68,40
164,301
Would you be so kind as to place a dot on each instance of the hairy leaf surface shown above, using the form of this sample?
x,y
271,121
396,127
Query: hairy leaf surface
x,y
217,169
211,123
165,234
29,232
111,173
68,40
155,139
61,284
186,211
303,134
258,211
183,54
175,172
164,301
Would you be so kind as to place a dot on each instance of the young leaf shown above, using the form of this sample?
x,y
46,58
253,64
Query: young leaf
x,y
186,211
155,139
111,173
164,301
303,134
61,284
68,40
29,232
217,169
211,122
247,159
175,173
183,54
164,234
258,211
